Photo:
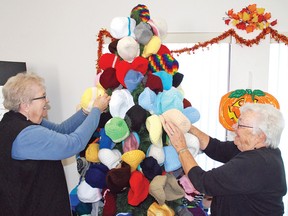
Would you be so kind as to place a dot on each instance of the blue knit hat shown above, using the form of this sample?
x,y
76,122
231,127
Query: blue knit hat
x,y
150,168
147,100
171,99
105,141
133,79
96,174
166,79
172,161
192,114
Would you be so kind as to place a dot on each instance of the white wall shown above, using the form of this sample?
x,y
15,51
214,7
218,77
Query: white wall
x,y
57,39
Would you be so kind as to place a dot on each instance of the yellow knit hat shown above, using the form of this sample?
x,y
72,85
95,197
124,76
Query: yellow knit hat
x,y
133,158
89,96
91,153
160,210
152,47
154,127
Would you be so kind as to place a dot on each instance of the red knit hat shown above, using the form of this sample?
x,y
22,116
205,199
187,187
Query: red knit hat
x,y
139,188
186,103
108,79
154,83
139,64
108,60
163,50
109,207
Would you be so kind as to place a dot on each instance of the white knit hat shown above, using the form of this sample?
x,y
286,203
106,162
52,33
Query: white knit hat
x,y
122,26
110,158
157,153
193,143
128,48
88,194
121,101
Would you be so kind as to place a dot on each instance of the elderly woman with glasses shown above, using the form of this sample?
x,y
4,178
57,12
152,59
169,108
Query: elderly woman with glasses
x,y
32,180
251,180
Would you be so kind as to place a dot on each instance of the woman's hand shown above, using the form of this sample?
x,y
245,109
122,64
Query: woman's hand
x,y
176,136
102,102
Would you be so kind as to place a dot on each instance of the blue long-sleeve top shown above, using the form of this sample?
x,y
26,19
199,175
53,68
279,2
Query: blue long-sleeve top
x,y
50,141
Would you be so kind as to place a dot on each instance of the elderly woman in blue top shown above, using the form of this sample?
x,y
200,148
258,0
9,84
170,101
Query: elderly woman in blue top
x,y
251,181
32,180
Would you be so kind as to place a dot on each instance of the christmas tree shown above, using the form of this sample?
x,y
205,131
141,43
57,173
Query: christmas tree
x,y
129,166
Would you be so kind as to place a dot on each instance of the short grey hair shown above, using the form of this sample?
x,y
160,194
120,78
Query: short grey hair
x,y
18,89
268,119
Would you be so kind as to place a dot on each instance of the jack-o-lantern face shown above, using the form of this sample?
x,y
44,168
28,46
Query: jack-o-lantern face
x,y
231,102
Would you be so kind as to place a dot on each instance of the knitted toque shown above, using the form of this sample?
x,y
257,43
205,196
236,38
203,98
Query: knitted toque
x,y
121,101
109,207
135,117
166,79
96,175
140,13
117,129
162,62
128,49
108,78
88,194
170,99
193,143
150,167
192,114
133,158
151,47
117,179
91,152
177,79
147,100
139,188
156,188
172,161
113,46
110,158
108,60
131,142
154,83
172,189
143,33
132,79
122,26
178,118
154,127
157,153
105,141
89,96
82,166
156,209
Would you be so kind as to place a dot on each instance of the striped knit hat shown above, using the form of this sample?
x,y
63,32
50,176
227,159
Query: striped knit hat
x,y
140,13
162,62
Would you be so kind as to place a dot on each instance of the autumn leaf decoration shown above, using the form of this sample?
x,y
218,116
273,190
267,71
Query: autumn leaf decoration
x,y
249,18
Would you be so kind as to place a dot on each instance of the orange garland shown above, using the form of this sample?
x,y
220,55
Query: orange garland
x,y
231,32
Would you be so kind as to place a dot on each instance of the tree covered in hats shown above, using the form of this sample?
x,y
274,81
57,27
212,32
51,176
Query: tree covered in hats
x,y
142,77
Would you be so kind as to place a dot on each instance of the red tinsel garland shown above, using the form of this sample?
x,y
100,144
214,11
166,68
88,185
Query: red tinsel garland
x,y
231,32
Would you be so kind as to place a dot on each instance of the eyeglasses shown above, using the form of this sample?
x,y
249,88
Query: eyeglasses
x,y
39,98
243,126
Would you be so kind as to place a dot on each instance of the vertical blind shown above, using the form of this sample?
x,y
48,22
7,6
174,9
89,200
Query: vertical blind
x,y
206,76
278,78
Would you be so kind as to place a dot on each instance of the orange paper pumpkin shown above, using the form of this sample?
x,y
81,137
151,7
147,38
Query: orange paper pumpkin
x,y
231,102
